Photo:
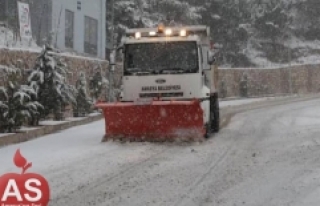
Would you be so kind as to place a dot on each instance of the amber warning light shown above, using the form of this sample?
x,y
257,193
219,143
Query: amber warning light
x,y
160,28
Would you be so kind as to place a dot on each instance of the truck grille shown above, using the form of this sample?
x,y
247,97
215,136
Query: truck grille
x,y
151,95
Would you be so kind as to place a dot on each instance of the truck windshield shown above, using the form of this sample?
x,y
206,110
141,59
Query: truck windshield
x,y
161,58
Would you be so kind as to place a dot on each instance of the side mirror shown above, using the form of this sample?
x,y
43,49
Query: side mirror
x,y
211,58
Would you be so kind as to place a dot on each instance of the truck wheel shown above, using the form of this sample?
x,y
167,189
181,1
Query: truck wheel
x,y
213,125
208,131
214,113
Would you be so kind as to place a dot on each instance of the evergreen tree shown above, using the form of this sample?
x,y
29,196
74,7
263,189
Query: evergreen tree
x,y
149,13
244,28
54,92
228,21
67,92
271,24
83,103
308,19
36,107
16,103
96,84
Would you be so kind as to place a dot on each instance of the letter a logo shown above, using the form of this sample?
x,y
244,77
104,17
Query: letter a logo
x,y
25,188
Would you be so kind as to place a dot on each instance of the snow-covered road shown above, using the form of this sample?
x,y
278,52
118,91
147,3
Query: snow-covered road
x,y
267,156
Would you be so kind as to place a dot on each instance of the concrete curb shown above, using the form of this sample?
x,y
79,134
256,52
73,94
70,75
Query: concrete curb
x,y
45,130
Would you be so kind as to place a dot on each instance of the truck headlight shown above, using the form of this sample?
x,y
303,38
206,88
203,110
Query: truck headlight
x,y
168,32
138,35
183,33
152,33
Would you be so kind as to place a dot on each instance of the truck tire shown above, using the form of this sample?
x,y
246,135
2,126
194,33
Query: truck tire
x,y
208,131
214,113
213,126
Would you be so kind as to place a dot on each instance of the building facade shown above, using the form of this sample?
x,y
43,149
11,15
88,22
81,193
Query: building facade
x,y
70,25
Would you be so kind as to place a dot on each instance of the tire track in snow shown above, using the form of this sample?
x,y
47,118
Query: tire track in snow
x,y
109,180
252,143
213,165
198,181
227,115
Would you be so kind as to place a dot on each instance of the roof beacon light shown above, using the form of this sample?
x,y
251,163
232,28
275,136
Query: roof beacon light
x,y
152,33
168,32
183,33
138,35
160,28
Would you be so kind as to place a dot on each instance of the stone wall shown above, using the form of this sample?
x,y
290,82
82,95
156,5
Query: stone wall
x,y
268,82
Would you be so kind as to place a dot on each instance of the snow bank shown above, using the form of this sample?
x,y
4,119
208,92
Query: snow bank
x,y
94,114
238,102
71,119
25,129
8,40
49,122
5,134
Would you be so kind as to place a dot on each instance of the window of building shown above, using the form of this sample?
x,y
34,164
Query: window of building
x,y
2,11
91,36
79,5
69,30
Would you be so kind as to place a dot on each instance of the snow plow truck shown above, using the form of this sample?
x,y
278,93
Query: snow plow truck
x,y
169,90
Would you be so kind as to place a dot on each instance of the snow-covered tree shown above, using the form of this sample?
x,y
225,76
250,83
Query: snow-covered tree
x,y
17,104
35,107
271,24
307,22
54,92
245,28
229,23
149,13
83,102
68,91
96,83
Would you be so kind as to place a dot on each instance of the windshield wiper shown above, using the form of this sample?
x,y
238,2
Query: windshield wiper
x,y
133,69
136,71
171,70
141,73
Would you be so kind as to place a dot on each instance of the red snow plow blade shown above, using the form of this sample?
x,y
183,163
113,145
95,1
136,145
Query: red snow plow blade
x,y
155,121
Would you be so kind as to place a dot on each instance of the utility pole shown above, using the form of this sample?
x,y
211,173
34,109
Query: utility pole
x,y
112,54
7,21
290,71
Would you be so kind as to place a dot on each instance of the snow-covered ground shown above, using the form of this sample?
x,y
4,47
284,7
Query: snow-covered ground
x,y
267,156
25,129
244,101
49,122
227,103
